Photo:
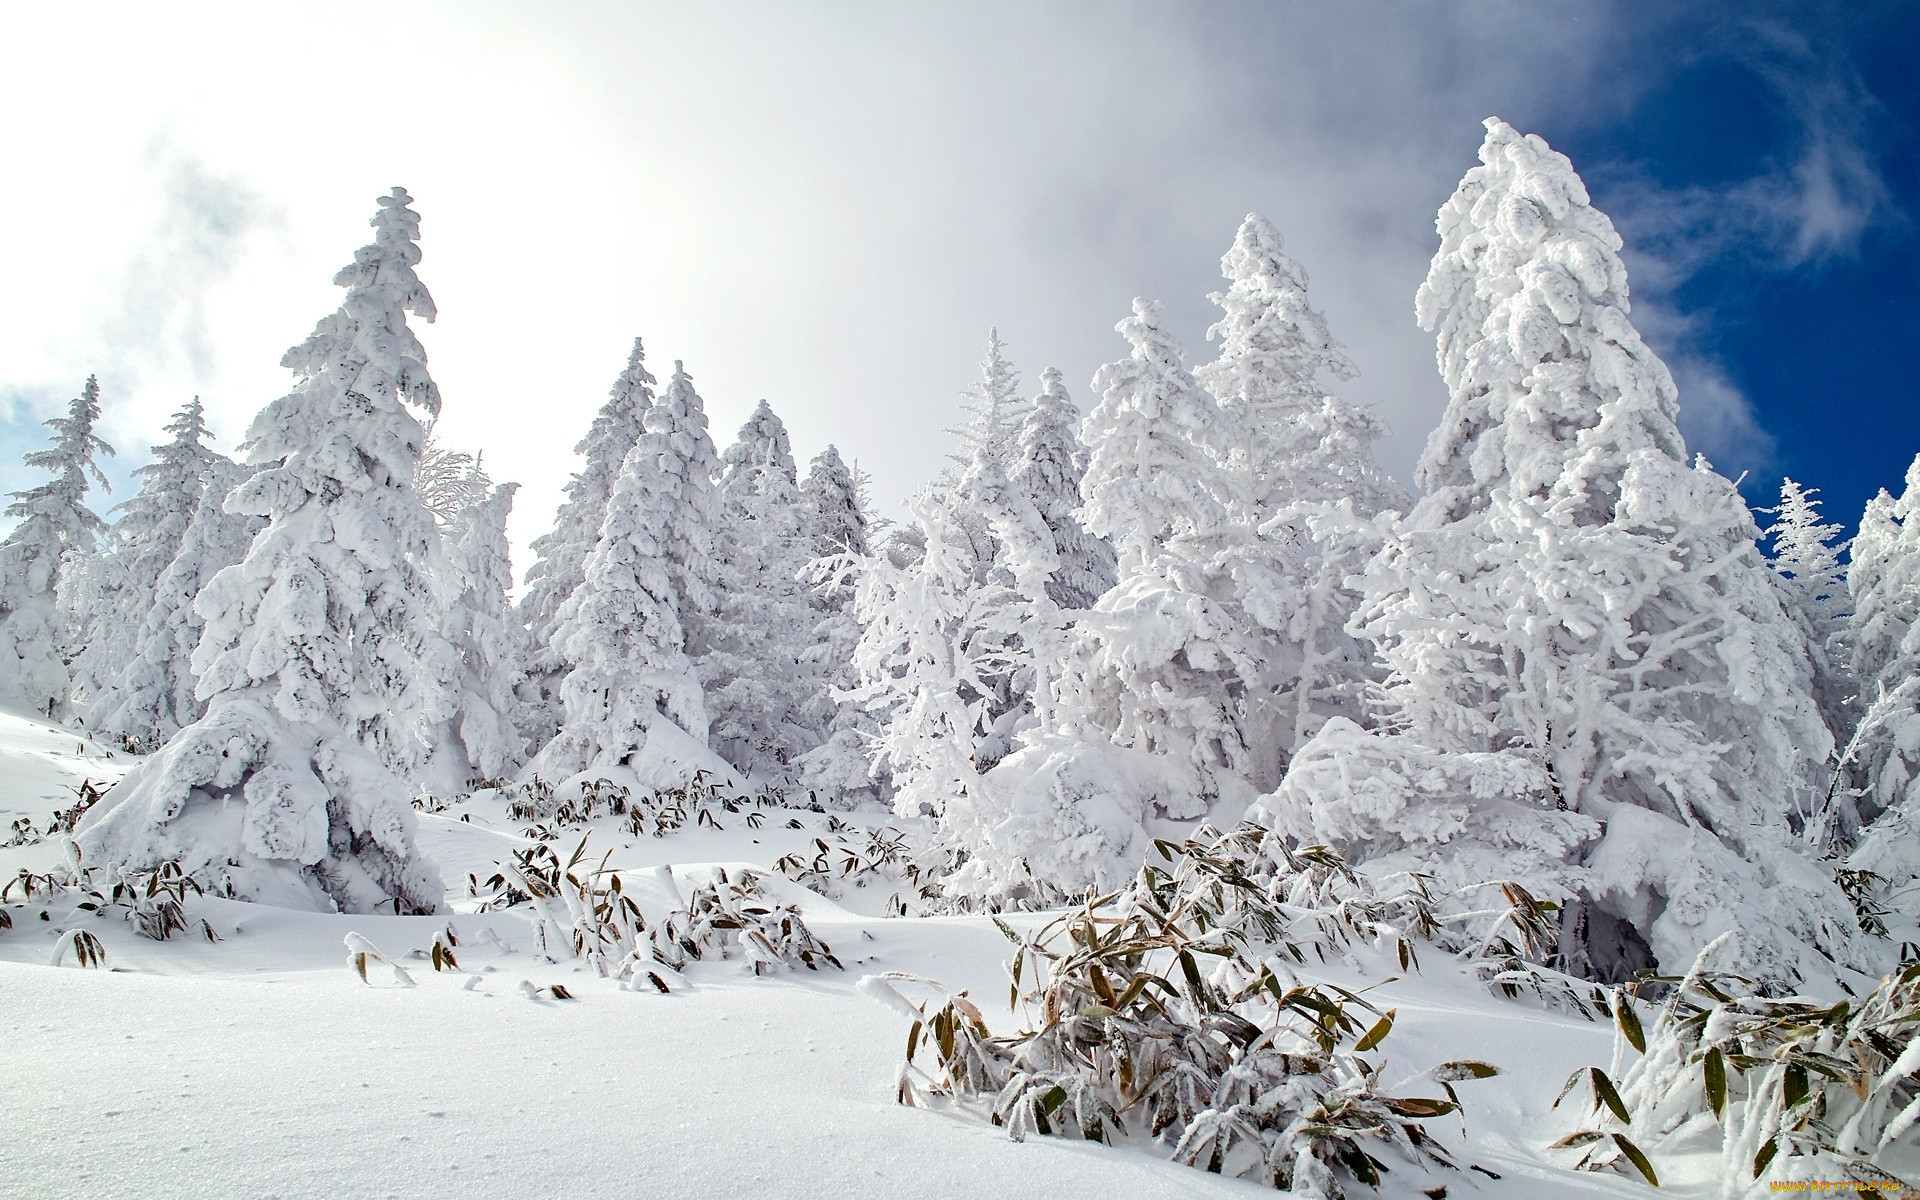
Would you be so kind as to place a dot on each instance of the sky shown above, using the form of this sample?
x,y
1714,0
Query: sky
x,y
829,205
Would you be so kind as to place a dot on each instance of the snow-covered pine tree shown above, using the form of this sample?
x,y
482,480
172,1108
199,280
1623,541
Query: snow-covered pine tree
x,y
677,423
994,412
140,546
1571,591
1283,438
1163,662
321,663
946,652
834,509
1304,477
153,699
755,666
1884,583
57,532
1048,464
634,710
1812,583
487,635
561,553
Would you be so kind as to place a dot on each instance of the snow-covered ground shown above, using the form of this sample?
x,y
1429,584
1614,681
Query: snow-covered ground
x,y
261,1065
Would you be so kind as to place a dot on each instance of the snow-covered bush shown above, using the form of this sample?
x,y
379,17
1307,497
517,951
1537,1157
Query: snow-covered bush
x,y
321,663
1237,1067
583,909
1791,1089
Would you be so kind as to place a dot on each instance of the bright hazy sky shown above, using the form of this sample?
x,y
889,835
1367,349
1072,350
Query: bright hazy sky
x,y
829,205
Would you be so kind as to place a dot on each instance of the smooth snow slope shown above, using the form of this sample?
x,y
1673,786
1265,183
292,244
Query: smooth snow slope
x,y
262,1066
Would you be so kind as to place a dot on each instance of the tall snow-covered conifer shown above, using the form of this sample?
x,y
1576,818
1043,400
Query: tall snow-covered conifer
x,y
487,635
561,553
1573,593
1813,589
755,666
1884,583
56,532
834,508
321,663
633,702
994,411
153,698
1047,468
141,545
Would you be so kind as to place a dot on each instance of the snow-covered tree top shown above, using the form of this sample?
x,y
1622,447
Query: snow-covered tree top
x,y
838,518
993,406
1528,298
366,348
1148,479
70,460
762,443
1272,343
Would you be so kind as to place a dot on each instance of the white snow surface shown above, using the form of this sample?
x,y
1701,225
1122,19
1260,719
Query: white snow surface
x,y
263,1066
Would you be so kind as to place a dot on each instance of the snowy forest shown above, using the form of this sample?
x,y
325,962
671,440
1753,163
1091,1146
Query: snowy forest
x,y
1158,667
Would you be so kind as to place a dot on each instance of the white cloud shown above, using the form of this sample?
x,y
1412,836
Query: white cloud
x,y
823,205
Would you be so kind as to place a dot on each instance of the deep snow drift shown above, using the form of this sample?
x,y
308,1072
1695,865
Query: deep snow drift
x,y
263,1065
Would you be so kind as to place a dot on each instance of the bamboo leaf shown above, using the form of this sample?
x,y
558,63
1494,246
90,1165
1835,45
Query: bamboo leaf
x,y
1638,1159
1464,1068
1605,1094
1767,1150
1716,1070
1629,1022
1377,1034
1578,1138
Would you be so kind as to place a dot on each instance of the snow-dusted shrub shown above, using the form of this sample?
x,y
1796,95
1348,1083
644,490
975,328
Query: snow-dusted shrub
x,y
584,910
1792,1089
885,857
153,902
1237,1068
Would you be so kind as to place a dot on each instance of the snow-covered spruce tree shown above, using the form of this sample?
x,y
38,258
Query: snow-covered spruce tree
x,y
945,654
834,510
56,532
1812,584
1145,719
634,709
1302,465
1163,661
1571,591
1049,461
561,553
994,412
677,425
1884,582
321,663
755,667
484,741
1282,437
153,699
140,546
